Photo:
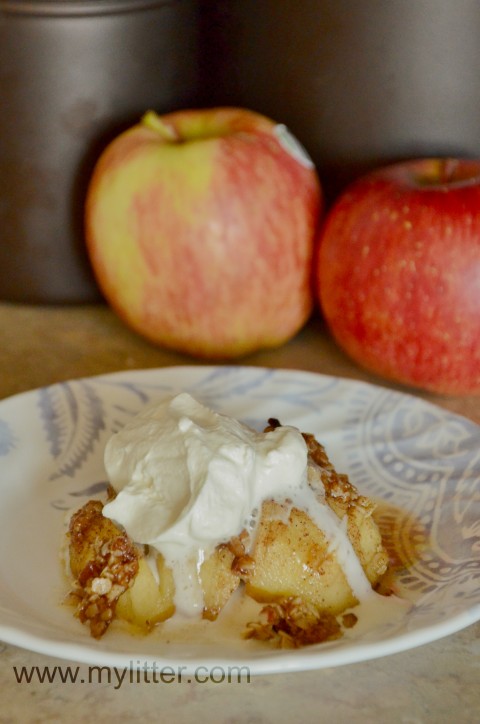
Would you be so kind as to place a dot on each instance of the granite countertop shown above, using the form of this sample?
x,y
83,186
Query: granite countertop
x,y
437,682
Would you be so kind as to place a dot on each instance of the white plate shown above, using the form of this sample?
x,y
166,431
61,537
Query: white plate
x,y
395,447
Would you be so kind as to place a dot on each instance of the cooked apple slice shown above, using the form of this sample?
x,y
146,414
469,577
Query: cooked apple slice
x,y
220,576
364,534
148,601
88,531
103,562
292,558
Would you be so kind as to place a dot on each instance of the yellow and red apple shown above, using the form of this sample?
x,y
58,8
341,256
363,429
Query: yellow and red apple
x,y
200,227
399,273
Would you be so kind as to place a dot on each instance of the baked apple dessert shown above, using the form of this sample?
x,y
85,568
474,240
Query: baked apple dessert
x,y
201,506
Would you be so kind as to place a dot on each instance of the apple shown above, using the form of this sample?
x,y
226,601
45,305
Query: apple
x,y
398,273
200,228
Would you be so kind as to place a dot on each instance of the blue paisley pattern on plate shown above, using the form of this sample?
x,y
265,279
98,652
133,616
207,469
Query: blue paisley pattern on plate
x,y
73,416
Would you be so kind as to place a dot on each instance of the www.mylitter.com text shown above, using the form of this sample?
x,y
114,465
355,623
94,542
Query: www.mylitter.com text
x,y
136,673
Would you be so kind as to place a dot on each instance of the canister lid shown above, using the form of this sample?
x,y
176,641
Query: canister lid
x,y
74,7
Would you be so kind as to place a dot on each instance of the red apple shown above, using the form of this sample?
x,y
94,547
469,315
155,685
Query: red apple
x,y
200,226
398,273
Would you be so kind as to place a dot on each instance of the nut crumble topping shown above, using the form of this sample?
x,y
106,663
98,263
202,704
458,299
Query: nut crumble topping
x,y
105,576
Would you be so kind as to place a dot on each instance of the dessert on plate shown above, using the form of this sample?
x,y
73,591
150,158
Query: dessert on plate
x,y
201,508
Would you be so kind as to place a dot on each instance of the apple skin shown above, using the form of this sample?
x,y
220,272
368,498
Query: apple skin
x,y
201,227
398,273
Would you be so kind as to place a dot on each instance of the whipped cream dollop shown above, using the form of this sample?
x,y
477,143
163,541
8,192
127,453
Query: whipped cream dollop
x,y
188,478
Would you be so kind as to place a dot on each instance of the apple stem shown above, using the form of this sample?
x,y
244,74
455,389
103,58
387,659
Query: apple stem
x,y
155,123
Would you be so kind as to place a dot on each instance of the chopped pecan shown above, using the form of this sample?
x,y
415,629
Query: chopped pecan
x,y
290,623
